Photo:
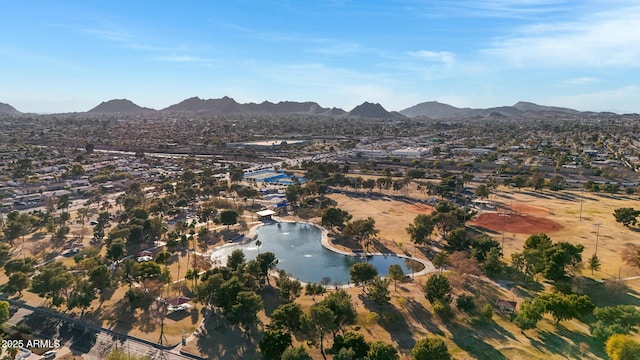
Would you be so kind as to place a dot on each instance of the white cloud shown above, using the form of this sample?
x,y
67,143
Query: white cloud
x,y
443,56
518,9
604,38
582,81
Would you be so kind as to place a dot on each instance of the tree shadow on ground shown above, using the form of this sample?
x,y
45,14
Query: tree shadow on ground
x,y
566,343
179,315
379,247
471,341
219,340
45,326
422,316
116,316
611,293
271,299
535,194
492,330
393,322
484,230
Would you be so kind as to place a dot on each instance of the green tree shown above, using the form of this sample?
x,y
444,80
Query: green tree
x,y
594,263
626,216
53,282
619,319
246,307
362,230
25,265
228,217
100,278
378,290
381,350
557,183
430,349
296,353
236,175
396,274
146,270
421,228
236,259
623,347
440,260
465,303
17,283
529,314
353,341
267,262
458,240
274,343
482,191
289,288
287,316
565,307
437,288
362,273
292,192
334,217
339,302
560,256
323,321
481,245
116,250
4,312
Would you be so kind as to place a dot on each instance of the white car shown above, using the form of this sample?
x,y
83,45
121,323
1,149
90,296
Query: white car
x,y
49,354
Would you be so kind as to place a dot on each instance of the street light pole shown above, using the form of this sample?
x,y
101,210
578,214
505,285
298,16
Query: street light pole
x,y
597,225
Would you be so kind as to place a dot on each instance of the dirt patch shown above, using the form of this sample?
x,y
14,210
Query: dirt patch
x,y
419,209
515,223
522,209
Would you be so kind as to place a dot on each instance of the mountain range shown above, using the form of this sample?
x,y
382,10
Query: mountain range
x,y
436,110
227,105
6,109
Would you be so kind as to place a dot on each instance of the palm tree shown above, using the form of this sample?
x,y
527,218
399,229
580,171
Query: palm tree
x,y
258,244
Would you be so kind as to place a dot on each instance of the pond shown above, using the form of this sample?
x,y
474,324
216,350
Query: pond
x,y
300,253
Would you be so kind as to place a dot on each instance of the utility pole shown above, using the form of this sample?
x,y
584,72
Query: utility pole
x,y
504,220
597,225
581,201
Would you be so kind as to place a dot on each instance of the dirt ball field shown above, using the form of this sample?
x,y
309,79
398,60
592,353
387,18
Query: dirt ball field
x,y
514,223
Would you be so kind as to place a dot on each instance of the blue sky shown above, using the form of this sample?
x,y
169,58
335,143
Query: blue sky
x,y
63,56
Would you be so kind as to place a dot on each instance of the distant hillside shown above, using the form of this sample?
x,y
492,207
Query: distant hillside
x,y
432,109
119,106
334,112
6,109
227,105
429,109
436,110
528,106
285,107
369,110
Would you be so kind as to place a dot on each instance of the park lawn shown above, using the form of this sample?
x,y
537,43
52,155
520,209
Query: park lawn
x,y
564,208
403,326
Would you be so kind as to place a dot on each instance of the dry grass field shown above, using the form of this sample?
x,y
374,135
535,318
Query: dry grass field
x,y
558,215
